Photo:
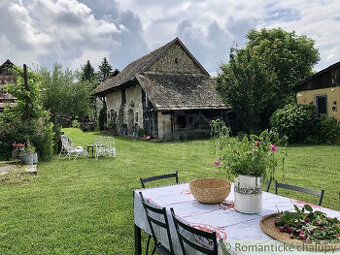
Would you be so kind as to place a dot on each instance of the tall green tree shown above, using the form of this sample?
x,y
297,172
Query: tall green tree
x,y
64,92
263,72
88,73
244,84
289,55
104,69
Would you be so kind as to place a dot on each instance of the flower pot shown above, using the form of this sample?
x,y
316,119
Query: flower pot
x,y
27,158
247,194
35,158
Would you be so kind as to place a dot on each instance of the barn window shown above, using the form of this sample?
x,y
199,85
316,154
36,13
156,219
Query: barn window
x,y
321,105
181,121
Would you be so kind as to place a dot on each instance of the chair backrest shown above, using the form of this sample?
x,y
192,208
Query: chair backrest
x,y
318,193
105,141
66,143
158,177
269,182
152,219
199,234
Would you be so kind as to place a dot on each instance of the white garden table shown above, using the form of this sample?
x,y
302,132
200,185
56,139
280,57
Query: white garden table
x,y
240,232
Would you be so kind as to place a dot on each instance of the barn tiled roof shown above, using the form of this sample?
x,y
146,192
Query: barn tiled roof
x,y
169,91
130,71
138,66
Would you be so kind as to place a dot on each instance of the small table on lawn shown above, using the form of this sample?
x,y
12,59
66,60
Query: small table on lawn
x,y
88,149
240,232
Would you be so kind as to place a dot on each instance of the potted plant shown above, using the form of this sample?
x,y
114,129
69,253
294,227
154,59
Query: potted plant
x,y
250,160
28,155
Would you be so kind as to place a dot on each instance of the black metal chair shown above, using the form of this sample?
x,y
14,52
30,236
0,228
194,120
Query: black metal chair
x,y
210,237
155,178
159,248
318,193
158,177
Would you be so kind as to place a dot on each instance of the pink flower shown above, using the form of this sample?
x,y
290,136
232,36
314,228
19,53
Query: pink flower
x,y
307,220
302,236
289,229
318,222
273,148
217,163
282,229
219,157
257,143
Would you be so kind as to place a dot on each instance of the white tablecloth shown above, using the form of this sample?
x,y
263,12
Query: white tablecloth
x,y
239,231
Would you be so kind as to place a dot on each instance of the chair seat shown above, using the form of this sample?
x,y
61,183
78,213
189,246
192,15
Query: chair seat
x,y
161,250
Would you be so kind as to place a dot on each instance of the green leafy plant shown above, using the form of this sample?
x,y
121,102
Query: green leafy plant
x,y
75,124
140,132
329,129
309,226
29,147
297,122
253,155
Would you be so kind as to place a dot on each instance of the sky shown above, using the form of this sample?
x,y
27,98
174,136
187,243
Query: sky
x,y
70,32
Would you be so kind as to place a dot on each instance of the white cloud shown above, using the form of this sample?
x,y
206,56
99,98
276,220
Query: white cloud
x,y
69,31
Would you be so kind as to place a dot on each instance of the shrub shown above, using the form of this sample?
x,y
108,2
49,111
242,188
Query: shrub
x,y
75,124
329,129
140,132
38,131
297,122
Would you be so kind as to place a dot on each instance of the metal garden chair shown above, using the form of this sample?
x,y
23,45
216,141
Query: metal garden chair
x,y
105,146
69,150
155,178
318,193
151,213
158,177
183,230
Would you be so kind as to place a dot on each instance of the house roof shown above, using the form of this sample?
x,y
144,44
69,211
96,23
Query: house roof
x,y
138,66
302,85
7,63
180,91
6,77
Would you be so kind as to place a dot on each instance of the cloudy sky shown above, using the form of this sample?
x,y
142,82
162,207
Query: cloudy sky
x,y
42,32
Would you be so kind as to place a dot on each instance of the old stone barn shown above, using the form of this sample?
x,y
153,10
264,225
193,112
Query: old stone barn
x,y
167,93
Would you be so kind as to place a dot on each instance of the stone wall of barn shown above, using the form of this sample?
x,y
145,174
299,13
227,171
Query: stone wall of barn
x,y
133,108
175,60
128,113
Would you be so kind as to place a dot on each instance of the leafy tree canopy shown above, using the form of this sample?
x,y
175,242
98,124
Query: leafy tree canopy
x,y
64,92
258,78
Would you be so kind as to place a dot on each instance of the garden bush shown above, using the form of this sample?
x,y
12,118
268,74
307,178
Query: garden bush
x,y
17,127
75,124
329,129
300,124
297,122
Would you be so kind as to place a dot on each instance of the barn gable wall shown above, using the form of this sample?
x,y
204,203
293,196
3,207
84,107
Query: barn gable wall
x,y
175,60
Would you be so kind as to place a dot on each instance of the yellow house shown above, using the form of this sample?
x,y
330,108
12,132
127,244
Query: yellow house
x,y
323,90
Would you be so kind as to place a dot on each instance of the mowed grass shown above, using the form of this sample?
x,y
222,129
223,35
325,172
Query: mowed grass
x,y
86,207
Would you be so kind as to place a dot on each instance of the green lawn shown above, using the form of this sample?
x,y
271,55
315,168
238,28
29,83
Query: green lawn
x,y
86,207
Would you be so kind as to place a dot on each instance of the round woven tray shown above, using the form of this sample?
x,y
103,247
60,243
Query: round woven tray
x,y
267,224
210,190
